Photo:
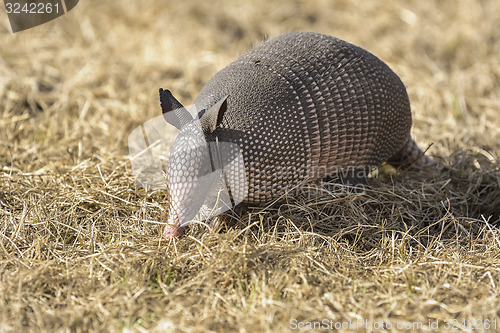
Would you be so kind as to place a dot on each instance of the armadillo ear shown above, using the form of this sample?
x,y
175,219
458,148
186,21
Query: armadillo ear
x,y
173,111
213,116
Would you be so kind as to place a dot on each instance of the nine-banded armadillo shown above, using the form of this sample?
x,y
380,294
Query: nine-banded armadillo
x,y
301,106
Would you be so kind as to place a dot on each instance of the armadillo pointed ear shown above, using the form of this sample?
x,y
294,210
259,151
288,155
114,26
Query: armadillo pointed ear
x,y
173,111
213,116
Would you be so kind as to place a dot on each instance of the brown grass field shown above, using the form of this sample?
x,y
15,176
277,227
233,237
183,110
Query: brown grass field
x,y
79,251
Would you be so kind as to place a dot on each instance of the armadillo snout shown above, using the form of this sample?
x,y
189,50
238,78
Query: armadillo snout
x,y
187,168
172,231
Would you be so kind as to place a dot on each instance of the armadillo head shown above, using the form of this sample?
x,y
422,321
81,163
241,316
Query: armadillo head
x,y
189,161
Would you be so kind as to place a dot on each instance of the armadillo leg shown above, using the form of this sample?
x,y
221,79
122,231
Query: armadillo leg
x,y
409,155
228,218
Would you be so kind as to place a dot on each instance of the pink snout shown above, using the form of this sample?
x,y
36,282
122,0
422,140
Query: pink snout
x,y
173,231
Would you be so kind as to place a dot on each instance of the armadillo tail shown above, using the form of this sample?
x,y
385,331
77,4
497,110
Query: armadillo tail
x,y
410,155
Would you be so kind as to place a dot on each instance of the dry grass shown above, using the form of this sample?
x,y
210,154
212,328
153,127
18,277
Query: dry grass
x,y
77,252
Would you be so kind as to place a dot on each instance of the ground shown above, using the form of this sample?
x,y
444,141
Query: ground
x,y
80,245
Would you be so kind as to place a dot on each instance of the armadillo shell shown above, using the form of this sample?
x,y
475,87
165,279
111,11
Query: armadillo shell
x,y
305,105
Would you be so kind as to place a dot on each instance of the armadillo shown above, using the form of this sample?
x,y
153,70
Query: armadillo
x,y
300,107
